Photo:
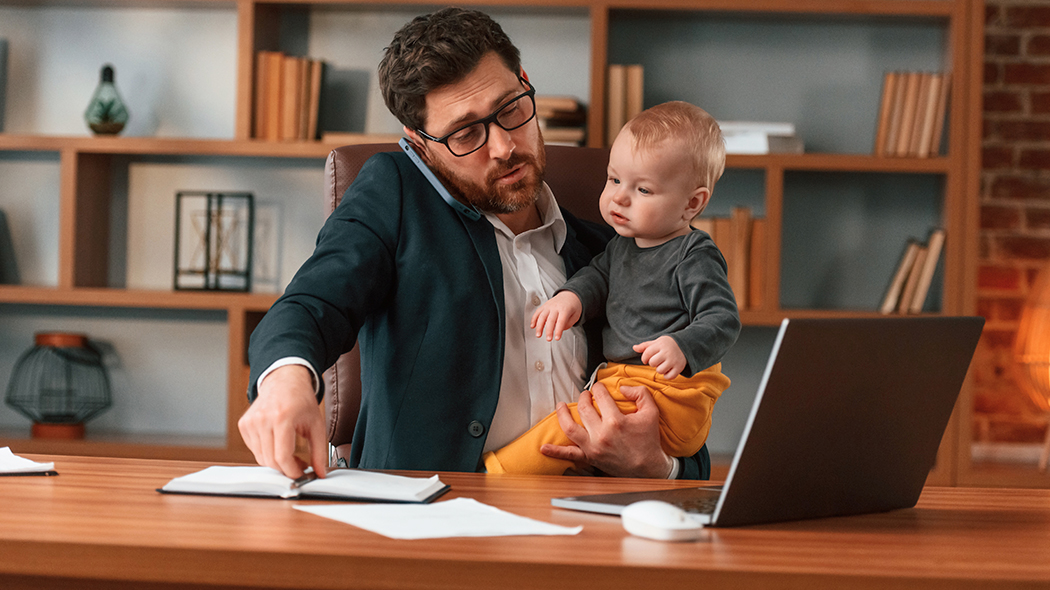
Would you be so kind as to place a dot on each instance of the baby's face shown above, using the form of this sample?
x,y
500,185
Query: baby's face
x,y
650,194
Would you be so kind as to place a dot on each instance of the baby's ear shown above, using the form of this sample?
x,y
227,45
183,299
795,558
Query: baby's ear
x,y
697,202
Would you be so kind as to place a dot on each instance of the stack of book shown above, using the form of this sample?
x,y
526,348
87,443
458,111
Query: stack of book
x,y
562,119
287,96
624,99
911,114
911,281
742,239
746,137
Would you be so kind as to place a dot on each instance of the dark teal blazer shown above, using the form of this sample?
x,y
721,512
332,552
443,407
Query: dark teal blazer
x,y
421,287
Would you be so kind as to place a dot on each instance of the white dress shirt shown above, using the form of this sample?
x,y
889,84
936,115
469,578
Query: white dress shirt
x,y
536,374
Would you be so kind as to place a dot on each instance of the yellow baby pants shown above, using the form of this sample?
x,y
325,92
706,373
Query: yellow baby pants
x,y
685,405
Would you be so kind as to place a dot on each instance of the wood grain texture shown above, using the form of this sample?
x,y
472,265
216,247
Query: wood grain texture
x,y
101,524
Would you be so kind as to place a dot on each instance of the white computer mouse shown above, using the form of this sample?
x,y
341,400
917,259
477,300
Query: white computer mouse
x,y
658,520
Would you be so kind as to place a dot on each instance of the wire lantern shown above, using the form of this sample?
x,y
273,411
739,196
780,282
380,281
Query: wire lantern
x,y
59,384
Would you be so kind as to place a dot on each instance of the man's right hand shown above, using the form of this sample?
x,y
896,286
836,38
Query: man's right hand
x,y
286,407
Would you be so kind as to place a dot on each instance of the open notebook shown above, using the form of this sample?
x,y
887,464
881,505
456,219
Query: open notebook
x,y
847,420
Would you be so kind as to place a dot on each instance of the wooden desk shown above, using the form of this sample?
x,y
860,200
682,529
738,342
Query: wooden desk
x,y
100,524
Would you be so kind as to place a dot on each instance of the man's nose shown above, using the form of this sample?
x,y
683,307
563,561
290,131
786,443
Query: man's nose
x,y
501,145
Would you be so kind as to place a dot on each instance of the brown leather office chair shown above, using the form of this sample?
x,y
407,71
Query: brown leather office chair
x,y
576,175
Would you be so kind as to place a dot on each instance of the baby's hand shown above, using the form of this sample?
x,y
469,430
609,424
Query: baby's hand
x,y
662,354
558,314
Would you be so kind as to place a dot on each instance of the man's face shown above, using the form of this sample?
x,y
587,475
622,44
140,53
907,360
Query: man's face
x,y
505,175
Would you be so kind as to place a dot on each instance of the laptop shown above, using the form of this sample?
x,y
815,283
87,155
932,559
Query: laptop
x,y
847,420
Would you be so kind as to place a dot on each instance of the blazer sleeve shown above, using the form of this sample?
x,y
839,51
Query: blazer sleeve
x,y
347,277
696,467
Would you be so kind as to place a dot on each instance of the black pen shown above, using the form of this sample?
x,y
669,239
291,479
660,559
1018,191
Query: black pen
x,y
304,479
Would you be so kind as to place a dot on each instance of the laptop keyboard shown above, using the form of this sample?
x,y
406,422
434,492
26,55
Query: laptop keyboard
x,y
704,505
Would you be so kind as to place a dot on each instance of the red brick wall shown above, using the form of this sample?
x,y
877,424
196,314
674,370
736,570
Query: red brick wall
x,y
1015,208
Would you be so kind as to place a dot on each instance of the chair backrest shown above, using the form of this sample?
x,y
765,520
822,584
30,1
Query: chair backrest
x,y
576,176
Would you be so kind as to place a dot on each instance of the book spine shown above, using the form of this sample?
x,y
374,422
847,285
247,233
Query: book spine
x,y
892,297
913,280
911,95
635,91
938,123
889,85
934,245
921,101
616,102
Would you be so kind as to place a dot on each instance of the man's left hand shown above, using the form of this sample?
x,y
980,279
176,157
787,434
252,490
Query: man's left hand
x,y
624,445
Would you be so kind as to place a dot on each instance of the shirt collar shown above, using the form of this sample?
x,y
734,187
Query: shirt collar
x,y
551,219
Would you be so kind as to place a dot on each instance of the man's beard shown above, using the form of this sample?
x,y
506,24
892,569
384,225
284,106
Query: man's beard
x,y
497,198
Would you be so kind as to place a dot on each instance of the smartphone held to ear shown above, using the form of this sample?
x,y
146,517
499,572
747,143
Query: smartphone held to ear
x,y
467,210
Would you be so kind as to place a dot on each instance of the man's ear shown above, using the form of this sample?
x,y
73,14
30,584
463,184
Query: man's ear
x,y
417,144
697,203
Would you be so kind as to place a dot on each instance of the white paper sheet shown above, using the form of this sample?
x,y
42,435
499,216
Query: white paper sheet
x,y
12,463
461,517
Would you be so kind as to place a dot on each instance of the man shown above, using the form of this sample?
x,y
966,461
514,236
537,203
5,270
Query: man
x,y
439,298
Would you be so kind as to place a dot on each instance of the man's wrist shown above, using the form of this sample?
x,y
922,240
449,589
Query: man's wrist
x,y
291,360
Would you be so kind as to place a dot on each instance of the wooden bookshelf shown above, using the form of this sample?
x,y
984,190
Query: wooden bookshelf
x,y
86,167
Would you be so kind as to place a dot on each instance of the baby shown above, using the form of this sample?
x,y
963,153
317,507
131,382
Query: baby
x,y
662,285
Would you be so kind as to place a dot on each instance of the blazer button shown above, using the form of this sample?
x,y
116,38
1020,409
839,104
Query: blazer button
x,y
476,428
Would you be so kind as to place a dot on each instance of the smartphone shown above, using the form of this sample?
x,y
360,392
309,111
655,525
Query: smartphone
x,y
467,210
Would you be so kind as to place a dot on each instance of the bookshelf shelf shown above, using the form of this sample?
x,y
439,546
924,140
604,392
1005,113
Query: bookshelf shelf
x,y
98,176
145,146
136,298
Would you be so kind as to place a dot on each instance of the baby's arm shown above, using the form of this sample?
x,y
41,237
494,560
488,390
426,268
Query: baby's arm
x,y
664,355
558,314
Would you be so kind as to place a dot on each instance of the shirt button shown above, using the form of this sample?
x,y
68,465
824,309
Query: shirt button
x,y
539,365
476,428
535,300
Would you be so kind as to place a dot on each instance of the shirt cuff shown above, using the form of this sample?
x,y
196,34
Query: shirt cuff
x,y
294,360
676,467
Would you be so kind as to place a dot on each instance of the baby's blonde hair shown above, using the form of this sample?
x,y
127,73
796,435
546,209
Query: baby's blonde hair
x,y
692,128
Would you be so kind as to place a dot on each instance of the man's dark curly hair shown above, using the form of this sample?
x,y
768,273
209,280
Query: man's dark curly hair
x,y
435,50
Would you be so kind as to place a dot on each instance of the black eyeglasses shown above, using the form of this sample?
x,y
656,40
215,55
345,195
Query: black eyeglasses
x,y
473,136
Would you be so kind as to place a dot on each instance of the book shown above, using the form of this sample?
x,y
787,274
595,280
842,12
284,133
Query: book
x,y
760,137
562,119
925,79
756,284
934,245
274,84
939,114
892,297
12,464
740,234
634,75
615,102
547,104
742,239
929,119
259,113
889,86
291,94
912,282
340,484
908,107
896,111
316,74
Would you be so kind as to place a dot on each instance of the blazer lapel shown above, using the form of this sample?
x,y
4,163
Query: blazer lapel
x,y
480,232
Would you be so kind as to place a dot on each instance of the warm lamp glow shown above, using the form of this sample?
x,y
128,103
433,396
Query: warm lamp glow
x,y
1032,346
1032,349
